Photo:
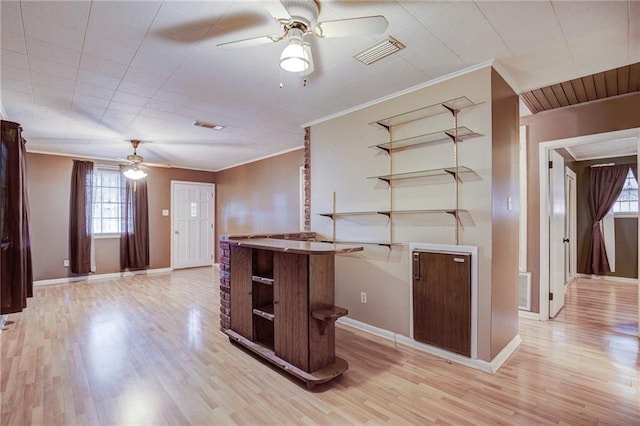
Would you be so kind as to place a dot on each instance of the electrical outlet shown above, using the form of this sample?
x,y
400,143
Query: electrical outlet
x,y
65,263
363,297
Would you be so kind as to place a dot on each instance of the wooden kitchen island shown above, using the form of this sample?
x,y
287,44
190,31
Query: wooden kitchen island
x,y
282,304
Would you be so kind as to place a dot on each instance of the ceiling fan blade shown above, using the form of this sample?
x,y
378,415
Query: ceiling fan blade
x,y
352,26
249,42
276,9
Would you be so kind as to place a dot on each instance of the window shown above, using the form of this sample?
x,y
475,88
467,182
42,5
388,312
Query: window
x,y
107,201
628,199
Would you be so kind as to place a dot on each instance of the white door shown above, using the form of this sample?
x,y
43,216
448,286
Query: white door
x,y
192,224
571,225
556,233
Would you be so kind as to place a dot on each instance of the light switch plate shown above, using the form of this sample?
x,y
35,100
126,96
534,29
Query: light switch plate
x,y
165,212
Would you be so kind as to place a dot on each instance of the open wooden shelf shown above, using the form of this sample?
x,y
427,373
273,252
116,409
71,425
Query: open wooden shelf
x,y
262,280
329,314
265,312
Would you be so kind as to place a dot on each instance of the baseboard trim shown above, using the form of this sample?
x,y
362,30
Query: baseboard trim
x,y
498,361
98,277
529,315
478,364
622,280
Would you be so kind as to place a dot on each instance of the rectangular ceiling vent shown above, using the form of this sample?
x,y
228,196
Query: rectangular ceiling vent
x,y
206,125
379,51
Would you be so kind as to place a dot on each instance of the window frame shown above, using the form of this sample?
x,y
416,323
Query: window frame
x,y
632,214
98,168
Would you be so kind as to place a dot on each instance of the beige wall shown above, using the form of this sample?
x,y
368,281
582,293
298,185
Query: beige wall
x,y
607,115
49,179
260,197
341,162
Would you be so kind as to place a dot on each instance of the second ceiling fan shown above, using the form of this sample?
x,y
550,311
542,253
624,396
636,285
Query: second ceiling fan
x,y
298,19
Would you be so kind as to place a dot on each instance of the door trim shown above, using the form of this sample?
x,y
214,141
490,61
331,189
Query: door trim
x,y
543,149
572,233
212,218
446,248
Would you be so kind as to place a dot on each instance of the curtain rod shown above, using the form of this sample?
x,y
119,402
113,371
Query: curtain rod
x,y
603,165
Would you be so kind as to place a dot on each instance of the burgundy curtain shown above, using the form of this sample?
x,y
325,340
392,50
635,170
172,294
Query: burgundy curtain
x,y
605,185
81,217
16,277
634,170
134,239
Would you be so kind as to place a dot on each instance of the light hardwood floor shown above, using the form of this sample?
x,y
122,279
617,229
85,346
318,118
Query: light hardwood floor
x,y
148,350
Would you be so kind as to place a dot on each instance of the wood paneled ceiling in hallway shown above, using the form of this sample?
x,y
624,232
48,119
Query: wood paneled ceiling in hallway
x,y
601,85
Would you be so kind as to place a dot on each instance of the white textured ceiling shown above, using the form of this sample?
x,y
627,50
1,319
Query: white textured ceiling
x,y
604,149
84,77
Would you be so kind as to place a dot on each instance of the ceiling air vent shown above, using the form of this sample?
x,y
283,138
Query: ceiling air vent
x,y
379,51
206,125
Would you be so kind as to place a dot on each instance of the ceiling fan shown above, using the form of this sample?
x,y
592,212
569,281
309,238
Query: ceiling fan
x,y
298,19
135,160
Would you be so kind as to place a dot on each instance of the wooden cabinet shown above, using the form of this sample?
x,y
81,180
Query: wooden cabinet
x,y
282,304
241,293
442,300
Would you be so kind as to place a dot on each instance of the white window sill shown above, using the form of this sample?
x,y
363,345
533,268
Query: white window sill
x,y
105,236
625,215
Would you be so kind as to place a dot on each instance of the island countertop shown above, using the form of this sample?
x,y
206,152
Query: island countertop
x,y
293,246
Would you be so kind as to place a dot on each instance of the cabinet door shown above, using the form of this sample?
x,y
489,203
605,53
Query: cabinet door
x,y
241,284
442,300
291,308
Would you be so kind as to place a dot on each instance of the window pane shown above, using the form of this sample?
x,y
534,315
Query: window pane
x,y
96,226
111,226
107,203
110,210
627,201
111,195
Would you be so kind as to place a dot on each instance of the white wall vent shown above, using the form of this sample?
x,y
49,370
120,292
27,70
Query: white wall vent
x,y
524,291
379,51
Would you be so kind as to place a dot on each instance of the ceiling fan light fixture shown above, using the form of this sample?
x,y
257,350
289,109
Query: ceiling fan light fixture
x,y
134,173
294,57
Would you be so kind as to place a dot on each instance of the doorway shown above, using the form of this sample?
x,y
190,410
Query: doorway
x,y
544,151
192,220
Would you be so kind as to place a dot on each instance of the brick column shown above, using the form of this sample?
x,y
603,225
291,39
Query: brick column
x,y
225,288
307,179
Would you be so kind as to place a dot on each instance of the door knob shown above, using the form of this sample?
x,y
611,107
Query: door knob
x,y
565,240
